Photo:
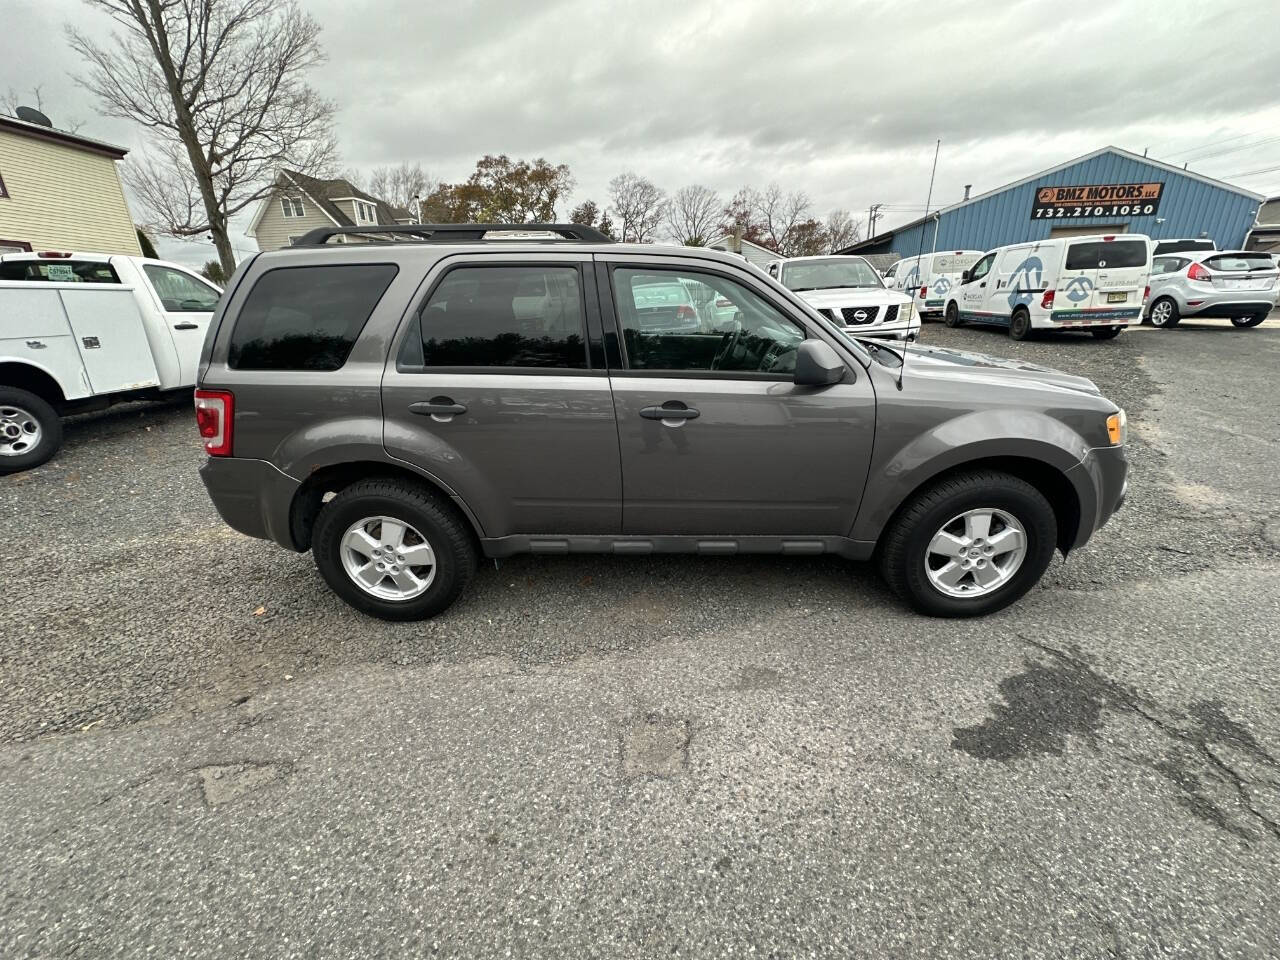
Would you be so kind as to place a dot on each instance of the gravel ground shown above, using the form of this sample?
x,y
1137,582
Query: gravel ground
x,y
621,757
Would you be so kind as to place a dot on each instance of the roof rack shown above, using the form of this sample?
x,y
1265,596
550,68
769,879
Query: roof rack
x,y
456,233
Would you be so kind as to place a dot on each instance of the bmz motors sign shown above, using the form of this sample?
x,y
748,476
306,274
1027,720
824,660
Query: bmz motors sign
x,y
1097,200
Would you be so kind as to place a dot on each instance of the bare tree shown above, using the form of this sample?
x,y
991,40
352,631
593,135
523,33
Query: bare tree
x,y
842,230
639,207
13,100
221,85
400,184
780,214
693,214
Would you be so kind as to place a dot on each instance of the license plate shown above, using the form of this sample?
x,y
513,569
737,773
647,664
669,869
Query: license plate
x,y
1242,284
1117,297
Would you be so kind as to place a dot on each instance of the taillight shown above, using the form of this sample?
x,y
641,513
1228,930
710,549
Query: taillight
x,y
215,413
1146,294
1197,272
923,292
1046,302
52,255
685,312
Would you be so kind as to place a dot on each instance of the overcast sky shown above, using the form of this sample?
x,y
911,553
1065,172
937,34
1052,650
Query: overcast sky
x,y
843,100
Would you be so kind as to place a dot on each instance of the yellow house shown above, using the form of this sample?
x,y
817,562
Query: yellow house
x,y
61,191
298,203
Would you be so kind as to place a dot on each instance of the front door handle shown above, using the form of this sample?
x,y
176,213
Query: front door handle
x,y
671,410
440,409
186,326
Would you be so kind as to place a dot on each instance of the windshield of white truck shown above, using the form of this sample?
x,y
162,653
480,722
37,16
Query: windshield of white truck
x,y
828,274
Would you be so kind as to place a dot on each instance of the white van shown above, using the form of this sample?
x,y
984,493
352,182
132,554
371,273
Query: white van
x,y
928,278
1095,283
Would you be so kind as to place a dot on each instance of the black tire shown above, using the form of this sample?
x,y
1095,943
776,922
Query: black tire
x,y
1105,333
447,533
951,316
1250,321
13,404
1162,318
1020,324
903,547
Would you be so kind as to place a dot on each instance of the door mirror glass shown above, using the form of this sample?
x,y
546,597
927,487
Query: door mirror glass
x,y
964,276
817,365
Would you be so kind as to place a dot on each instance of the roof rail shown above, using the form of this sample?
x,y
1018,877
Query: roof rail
x,y
453,233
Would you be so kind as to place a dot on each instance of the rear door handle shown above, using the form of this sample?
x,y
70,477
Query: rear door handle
x,y
441,409
671,410
186,326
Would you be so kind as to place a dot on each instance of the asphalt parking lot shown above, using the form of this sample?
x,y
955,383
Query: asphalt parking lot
x,y
203,753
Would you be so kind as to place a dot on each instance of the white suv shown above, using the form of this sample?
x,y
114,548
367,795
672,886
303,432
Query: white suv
x,y
849,292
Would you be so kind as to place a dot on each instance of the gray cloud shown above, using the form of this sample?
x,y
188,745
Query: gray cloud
x,y
843,100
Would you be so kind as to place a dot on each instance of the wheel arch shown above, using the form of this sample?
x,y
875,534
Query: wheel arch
x,y
1047,469
327,481
33,378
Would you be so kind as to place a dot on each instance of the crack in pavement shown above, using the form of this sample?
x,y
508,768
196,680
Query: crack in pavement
x,y
1045,704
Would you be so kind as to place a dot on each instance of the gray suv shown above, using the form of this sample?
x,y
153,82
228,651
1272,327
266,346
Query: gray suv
x,y
402,406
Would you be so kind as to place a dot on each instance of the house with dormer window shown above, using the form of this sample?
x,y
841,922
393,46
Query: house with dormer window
x,y
298,203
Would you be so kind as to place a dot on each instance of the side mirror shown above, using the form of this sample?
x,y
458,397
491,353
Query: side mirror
x,y
817,365
964,276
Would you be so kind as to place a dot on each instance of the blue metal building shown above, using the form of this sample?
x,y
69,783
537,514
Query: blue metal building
x,y
1108,191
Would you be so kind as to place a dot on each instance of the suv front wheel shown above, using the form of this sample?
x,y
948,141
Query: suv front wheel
x,y
969,545
391,550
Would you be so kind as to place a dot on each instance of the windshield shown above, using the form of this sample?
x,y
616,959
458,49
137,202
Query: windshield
x,y
825,274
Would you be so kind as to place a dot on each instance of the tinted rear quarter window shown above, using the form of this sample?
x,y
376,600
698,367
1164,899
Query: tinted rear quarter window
x,y
306,318
1112,254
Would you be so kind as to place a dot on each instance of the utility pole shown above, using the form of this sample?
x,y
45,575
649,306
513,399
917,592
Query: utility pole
x,y
873,214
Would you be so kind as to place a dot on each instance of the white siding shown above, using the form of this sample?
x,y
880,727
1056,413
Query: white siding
x,y
275,229
61,197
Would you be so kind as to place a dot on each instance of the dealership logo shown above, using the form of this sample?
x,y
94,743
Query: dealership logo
x,y
1026,276
1080,288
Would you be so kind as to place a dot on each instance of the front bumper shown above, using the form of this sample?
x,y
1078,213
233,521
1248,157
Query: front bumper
x,y
1102,483
908,330
252,496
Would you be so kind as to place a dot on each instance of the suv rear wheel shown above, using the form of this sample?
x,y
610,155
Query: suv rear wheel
x,y
969,545
391,550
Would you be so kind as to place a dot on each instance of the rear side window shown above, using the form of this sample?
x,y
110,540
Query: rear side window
x,y
58,271
1107,253
1163,265
1241,261
526,316
306,318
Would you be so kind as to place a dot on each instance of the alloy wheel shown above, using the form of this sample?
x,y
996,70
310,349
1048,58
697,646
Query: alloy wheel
x,y
388,558
975,553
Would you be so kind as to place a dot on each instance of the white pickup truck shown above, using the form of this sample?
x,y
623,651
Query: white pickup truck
x,y
81,331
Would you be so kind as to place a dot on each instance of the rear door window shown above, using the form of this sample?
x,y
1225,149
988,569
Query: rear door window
x,y
525,316
1107,254
58,271
306,318
1163,265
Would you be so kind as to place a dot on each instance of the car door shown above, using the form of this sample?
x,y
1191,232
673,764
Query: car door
x,y
187,304
492,391
716,440
973,294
